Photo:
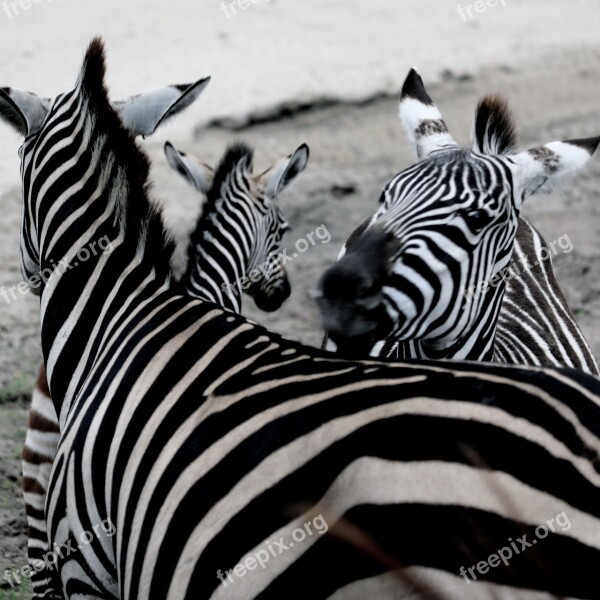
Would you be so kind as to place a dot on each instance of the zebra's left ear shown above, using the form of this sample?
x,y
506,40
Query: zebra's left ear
x,y
144,113
198,174
284,172
421,118
24,111
541,169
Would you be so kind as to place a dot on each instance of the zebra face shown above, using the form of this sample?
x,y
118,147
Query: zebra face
x,y
453,217
405,275
44,122
273,288
449,239
236,245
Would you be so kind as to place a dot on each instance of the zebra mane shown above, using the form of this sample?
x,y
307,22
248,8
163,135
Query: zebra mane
x,y
494,129
135,211
236,155
232,159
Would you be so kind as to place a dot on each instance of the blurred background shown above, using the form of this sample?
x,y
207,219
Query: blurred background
x,y
324,72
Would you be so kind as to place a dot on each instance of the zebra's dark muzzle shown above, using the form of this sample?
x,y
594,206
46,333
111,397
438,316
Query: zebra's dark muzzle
x,y
271,299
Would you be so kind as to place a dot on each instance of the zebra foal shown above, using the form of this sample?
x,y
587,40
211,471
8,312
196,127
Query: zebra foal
x,y
205,438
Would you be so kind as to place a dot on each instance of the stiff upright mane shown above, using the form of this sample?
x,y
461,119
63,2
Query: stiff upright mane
x,y
234,156
134,209
237,155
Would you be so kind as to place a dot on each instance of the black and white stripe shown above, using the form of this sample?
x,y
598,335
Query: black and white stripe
x,y
536,325
204,437
426,276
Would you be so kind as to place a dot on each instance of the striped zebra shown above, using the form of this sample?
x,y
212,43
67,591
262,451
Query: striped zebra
x,y
142,114
249,225
236,245
228,462
426,276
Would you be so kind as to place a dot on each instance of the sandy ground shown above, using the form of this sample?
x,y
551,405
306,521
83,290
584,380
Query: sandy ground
x,y
355,149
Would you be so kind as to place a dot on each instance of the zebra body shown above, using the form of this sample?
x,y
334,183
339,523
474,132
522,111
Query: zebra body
x,y
426,276
205,439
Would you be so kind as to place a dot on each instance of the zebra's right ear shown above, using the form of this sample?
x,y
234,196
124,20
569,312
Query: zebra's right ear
x,y
144,113
422,120
284,171
198,174
23,111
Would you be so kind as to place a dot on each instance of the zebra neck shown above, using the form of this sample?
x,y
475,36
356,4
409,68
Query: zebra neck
x,y
104,246
218,266
473,343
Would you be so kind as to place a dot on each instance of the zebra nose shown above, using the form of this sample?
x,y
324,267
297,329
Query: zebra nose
x,y
272,299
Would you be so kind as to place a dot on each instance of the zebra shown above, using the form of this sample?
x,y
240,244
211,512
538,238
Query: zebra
x,y
210,445
425,277
236,245
43,433
142,114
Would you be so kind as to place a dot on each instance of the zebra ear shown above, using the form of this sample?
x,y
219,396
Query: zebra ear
x,y
24,111
144,113
284,172
541,169
196,173
422,120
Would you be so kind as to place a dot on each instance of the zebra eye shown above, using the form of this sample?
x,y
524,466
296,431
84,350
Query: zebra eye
x,y
476,219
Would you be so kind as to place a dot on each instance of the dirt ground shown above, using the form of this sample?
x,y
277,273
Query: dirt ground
x,y
354,152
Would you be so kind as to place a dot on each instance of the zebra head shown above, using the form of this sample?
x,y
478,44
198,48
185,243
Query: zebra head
x,y
236,244
38,119
430,264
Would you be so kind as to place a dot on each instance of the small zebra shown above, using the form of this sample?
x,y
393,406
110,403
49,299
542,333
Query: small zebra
x,y
262,233
235,247
208,447
425,277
